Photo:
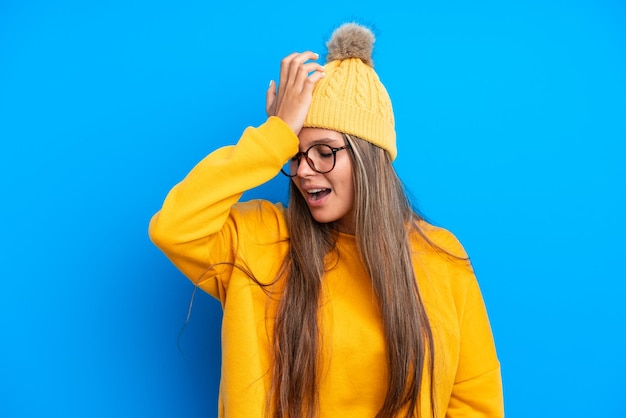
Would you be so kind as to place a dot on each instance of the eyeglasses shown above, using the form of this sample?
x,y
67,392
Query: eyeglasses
x,y
320,157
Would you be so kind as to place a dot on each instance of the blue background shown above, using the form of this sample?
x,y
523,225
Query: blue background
x,y
511,126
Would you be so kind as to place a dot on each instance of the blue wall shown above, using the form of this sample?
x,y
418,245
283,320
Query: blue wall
x,y
511,125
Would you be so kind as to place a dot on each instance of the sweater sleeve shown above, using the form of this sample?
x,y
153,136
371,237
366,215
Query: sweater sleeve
x,y
477,390
194,227
477,387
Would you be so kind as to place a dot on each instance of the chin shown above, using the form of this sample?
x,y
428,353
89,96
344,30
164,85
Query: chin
x,y
339,222
324,219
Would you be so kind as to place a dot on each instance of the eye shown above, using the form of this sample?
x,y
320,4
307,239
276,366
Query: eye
x,y
324,151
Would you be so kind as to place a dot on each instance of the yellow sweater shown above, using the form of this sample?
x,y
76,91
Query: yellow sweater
x,y
202,223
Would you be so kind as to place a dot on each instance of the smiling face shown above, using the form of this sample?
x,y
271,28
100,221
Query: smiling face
x,y
329,196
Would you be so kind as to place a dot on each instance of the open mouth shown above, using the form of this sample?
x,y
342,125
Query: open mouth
x,y
317,194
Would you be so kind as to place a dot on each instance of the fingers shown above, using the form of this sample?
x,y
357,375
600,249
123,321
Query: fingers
x,y
296,67
286,68
299,72
301,65
270,99
312,80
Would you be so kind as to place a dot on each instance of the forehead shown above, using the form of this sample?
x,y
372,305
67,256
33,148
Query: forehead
x,y
311,136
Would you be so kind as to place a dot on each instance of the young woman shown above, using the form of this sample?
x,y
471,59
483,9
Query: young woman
x,y
345,303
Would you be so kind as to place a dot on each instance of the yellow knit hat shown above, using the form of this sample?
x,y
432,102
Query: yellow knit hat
x,y
351,99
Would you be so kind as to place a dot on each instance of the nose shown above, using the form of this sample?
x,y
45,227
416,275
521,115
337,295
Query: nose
x,y
304,169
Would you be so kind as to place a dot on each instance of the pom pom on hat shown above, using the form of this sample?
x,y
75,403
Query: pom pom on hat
x,y
351,99
351,41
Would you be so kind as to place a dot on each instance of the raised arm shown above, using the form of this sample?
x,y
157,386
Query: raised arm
x,y
194,228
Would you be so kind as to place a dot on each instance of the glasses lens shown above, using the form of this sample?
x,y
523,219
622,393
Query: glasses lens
x,y
291,166
321,158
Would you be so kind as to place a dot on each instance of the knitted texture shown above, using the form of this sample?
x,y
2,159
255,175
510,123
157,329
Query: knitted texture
x,y
351,99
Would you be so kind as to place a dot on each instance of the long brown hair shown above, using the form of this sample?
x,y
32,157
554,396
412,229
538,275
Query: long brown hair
x,y
384,221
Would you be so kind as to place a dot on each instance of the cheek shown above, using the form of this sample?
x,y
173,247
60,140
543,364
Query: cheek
x,y
349,192
344,177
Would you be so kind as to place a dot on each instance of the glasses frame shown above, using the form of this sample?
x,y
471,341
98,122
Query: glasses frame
x,y
305,154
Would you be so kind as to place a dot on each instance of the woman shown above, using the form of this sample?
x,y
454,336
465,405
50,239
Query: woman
x,y
345,303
